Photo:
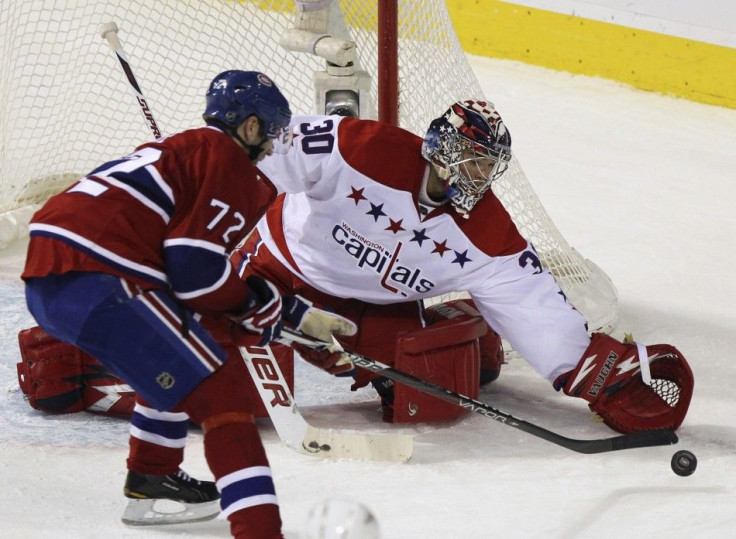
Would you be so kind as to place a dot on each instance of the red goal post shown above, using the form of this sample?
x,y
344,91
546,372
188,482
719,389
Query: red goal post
x,y
66,108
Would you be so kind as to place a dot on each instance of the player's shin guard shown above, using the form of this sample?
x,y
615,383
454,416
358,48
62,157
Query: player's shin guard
x,y
238,460
632,387
233,449
157,439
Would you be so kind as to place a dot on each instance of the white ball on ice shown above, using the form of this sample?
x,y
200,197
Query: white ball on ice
x,y
340,519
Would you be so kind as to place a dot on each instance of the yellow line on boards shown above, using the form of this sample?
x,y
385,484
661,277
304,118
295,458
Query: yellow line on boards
x,y
647,60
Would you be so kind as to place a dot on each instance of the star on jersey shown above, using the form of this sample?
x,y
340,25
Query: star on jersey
x,y
376,211
357,194
419,236
395,226
461,258
440,248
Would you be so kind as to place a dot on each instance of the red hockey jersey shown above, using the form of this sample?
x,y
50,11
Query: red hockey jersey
x,y
164,216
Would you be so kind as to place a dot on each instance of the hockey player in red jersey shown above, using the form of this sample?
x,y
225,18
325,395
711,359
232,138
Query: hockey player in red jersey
x,y
376,219
130,264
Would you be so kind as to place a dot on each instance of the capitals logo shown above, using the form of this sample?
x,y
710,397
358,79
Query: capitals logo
x,y
372,256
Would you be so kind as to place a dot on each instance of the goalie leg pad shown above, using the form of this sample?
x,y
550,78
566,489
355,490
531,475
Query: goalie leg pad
x,y
60,378
491,356
609,378
491,346
446,354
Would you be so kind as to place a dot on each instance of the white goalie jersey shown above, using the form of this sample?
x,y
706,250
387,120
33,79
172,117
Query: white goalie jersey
x,y
351,225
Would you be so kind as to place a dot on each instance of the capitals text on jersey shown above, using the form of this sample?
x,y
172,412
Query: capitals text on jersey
x,y
381,260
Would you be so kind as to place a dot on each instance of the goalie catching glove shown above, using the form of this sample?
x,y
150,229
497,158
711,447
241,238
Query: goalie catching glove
x,y
631,386
321,325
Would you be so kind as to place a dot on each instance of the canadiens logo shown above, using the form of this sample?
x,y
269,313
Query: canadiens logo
x,y
373,256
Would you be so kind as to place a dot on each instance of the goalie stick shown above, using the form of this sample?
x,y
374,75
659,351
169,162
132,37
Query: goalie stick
x,y
297,434
649,438
292,428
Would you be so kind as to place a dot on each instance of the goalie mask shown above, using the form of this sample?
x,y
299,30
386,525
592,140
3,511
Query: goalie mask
x,y
470,147
234,96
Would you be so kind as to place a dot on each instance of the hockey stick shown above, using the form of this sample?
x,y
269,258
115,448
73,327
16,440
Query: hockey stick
x,y
647,438
109,32
297,434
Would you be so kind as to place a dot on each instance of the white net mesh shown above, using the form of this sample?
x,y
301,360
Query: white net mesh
x,y
67,106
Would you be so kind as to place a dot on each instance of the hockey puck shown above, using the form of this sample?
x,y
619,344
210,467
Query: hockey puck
x,y
684,463
315,447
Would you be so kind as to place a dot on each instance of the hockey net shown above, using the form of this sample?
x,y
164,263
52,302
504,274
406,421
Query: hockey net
x,y
67,107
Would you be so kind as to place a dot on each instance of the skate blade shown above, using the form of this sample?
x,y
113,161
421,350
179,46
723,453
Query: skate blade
x,y
152,512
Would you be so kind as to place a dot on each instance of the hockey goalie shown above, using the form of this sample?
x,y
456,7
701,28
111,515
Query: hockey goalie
x,y
375,220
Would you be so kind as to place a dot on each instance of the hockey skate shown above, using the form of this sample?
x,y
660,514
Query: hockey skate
x,y
168,499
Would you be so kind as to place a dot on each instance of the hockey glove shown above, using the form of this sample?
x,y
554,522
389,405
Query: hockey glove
x,y
630,396
317,323
261,313
321,325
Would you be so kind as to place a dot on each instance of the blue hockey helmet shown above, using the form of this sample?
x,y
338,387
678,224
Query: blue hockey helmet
x,y
235,95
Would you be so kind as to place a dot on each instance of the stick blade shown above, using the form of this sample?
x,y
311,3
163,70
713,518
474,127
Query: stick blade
x,y
645,438
332,444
